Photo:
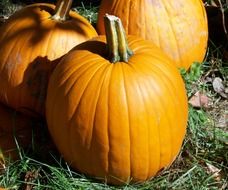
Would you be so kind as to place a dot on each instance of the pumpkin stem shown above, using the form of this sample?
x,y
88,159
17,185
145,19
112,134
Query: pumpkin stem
x,y
62,10
116,39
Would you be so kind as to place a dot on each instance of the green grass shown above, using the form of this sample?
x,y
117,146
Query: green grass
x,y
89,12
205,145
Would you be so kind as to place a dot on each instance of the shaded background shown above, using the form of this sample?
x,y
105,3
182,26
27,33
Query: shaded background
x,y
78,2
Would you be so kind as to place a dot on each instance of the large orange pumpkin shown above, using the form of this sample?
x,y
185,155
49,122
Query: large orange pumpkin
x,y
118,114
31,43
178,27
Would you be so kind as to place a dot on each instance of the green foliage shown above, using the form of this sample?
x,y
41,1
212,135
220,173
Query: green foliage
x,y
7,8
192,77
89,12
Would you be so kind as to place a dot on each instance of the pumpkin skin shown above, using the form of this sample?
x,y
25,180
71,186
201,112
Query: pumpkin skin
x,y
178,27
32,42
120,122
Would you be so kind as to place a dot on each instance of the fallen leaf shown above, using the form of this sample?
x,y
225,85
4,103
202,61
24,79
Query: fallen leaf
x,y
222,121
199,100
219,87
30,176
226,90
214,171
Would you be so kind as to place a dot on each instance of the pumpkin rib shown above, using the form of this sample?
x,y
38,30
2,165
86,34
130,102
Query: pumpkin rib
x,y
108,120
154,90
165,120
8,26
46,46
87,70
128,118
151,84
162,69
6,57
168,119
70,70
108,78
92,106
119,133
154,67
12,70
128,23
6,33
55,91
144,19
157,33
191,34
148,128
106,73
76,81
140,96
177,50
153,171
165,78
105,82
79,99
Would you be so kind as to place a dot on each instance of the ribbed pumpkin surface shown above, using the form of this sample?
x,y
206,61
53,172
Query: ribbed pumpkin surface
x,y
31,44
178,27
121,121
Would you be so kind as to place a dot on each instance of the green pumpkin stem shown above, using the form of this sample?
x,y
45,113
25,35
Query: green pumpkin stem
x,y
116,39
62,10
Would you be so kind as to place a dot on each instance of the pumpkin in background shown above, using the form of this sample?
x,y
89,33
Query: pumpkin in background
x,y
16,131
32,42
178,27
117,115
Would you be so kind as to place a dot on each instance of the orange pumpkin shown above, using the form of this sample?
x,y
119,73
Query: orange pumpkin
x,y
178,27
32,42
119,114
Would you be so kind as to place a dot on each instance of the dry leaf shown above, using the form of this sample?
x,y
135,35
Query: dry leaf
x,y
30,176
219,87
199,100
214,171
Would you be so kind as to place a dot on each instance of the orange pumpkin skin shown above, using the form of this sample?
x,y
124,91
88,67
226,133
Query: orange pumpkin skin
x,y
178,27
118,122
31,45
